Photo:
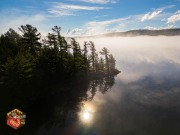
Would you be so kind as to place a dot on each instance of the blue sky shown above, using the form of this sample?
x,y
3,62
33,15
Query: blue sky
x,y
90,17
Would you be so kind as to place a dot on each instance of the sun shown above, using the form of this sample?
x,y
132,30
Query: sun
x,y
87,112
86,115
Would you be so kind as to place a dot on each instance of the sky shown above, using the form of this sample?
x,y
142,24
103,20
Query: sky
x,y
89,17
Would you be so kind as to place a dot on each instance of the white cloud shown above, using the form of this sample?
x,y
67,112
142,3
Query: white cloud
x,y
99,1
100,16
154,14
34,19
174,18
127,23
104,23
100,27
75,31
167,7
12,21
106,26
62,9
150,15
60,12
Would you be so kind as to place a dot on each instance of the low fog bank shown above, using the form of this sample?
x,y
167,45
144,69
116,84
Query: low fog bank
x,y
141,56
139,49
145,99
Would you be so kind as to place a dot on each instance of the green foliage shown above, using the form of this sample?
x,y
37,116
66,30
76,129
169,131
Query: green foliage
x,y
101,64
105,52
30,38
18,71
47,64
112,63
32,68
93,56
16,81
78,58
8,46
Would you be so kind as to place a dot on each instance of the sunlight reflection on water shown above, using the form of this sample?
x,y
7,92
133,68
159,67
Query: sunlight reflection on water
x,y
146,97
87,112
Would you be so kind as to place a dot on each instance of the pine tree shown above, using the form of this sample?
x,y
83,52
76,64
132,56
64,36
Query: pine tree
x,y
101,64
9,45
57,35
85,55
93,54
105,52
76,53
51,41
30,38
112,63
13,36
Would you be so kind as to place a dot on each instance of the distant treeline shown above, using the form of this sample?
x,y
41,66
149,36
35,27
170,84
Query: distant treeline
x,y
29,64
164,32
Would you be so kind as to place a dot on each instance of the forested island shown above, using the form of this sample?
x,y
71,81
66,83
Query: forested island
x,y
31,67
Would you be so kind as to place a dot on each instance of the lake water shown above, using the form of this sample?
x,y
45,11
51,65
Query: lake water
x,y
144,100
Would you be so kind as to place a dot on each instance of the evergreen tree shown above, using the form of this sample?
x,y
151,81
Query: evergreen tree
x,y
112,63
9,45
13,36
76,53
93,54
101,64
30,38
97,66
29,71
57,35
17,71
85,55
105,52
51,41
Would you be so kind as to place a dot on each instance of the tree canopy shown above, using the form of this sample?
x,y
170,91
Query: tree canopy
x,y
29,63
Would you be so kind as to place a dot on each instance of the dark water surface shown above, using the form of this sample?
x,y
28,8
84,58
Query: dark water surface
x,y
144,99
149,105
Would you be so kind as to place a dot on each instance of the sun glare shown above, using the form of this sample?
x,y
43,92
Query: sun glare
x,y
87,112
86,115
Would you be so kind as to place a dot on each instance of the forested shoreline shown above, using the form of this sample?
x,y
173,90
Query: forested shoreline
x,y
29,65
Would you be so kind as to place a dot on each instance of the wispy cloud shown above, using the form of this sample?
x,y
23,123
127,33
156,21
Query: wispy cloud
x,y
174,18
150,15
126,23
98,27
91,20
14,22
154,14
75,31
107,22
100,16
62,9
15,17
99,1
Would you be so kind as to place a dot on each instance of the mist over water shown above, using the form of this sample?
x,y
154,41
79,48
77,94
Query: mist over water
x,y
143,55
145,99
